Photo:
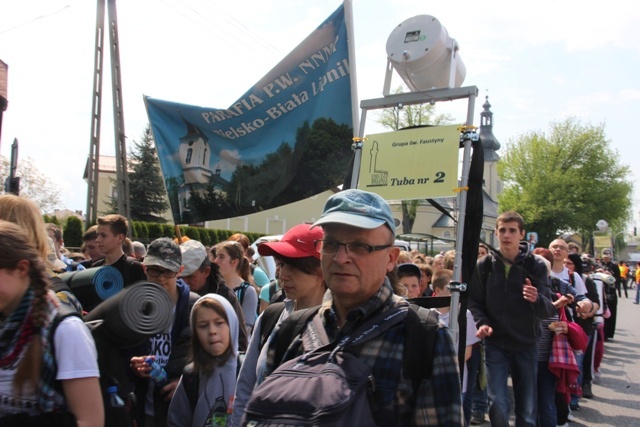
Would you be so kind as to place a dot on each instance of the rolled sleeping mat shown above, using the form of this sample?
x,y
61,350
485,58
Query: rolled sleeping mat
x,y
94,285
140,311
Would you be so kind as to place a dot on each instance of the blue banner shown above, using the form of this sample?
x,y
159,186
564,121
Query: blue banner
x,y
286,139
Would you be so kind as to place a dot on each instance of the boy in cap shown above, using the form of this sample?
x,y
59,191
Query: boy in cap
x,y
409,276
203,278
163,264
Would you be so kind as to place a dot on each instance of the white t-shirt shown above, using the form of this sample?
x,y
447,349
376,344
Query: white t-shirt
x,y
471,339
76,357
578,283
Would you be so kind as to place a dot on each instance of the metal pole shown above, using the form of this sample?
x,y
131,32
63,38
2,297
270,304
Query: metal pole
x,y
456,287
96,108
118,115
357,148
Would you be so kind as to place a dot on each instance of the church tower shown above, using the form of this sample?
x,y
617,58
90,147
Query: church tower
x,y
491,182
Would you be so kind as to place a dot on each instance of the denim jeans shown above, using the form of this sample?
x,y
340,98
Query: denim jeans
x,y
579,361
475,400
524,376
547,415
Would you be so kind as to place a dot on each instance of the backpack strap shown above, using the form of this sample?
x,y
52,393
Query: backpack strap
x,y
59,285
240,291
64,311
270,317
421,327
291,327
191,383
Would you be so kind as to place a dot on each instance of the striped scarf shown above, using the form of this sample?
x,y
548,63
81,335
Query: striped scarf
x,y
17,331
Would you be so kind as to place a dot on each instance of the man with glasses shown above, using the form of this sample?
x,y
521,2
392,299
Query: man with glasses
x,y
162,264
356,254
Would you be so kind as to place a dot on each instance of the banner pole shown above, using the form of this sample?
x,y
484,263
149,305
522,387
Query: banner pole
x,y
348,15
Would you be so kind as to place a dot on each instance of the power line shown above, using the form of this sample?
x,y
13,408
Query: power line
x,y
34,20
212,25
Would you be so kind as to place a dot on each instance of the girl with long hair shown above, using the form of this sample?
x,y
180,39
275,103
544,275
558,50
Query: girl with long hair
x,y
51,379
234,268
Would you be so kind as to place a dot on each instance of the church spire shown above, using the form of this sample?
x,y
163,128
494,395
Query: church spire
x,y
489,141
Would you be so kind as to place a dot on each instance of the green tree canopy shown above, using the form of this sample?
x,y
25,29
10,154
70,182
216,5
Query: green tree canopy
x,y
147,194
397,118
565,181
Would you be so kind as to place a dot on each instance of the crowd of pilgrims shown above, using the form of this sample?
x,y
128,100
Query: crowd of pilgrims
x,y
219,295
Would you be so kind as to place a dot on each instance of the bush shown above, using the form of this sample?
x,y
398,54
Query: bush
x,y
143,230
169,231
193,233
73,232
155,231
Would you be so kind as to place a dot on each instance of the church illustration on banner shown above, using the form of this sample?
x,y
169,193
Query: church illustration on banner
x,y
195,155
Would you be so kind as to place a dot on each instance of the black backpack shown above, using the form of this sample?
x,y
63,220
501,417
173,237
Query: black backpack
x,y
330,386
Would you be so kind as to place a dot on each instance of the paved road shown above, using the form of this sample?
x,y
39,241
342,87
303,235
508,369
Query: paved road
x,y
616,401
617,392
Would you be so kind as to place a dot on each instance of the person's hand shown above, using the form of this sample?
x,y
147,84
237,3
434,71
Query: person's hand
x,y
484,331
561,328
563,301
140,367
170,389
529,292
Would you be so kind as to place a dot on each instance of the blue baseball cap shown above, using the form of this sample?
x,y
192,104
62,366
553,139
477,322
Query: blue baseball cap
x,y
357,208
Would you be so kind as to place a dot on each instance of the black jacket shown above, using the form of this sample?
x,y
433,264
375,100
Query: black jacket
x,y
497,301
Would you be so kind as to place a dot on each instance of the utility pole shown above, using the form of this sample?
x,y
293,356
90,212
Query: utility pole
x,y
12,183
4,72
118,115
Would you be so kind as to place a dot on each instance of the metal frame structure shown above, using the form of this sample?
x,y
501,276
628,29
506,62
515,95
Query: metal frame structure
x,y
467,137
118,115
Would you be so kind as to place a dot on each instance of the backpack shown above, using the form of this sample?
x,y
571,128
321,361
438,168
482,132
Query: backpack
x,y
330,386
109,375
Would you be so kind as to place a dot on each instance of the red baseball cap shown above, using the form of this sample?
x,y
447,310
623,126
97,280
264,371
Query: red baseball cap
x,y
299,242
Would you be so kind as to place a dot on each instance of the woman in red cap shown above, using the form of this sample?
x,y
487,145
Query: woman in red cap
x,y
301,279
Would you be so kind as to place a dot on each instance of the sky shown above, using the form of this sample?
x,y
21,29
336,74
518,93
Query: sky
x,y
538,62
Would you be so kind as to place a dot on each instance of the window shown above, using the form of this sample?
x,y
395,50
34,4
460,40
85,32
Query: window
x,y
446,234
189,154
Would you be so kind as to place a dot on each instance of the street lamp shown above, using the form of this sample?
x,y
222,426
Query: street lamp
x,y
601,237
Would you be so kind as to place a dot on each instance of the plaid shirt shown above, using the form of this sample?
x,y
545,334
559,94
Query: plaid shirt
x,y
438,399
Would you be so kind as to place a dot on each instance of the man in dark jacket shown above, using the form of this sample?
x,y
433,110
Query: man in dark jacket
x,y
508,297
162,264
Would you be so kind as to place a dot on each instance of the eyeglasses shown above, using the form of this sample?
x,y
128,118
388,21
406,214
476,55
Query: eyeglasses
x,y
154,272
352,248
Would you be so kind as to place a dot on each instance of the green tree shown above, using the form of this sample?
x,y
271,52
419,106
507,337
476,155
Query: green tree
x,y
397,118
565,181
73,232
147,194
